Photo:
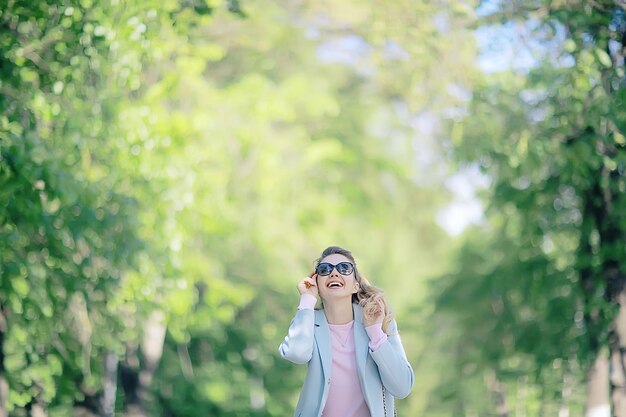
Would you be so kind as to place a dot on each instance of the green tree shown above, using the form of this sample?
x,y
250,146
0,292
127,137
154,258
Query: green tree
x,y
187,164
550,280
68,229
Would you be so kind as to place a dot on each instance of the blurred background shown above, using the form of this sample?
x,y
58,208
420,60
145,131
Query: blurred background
x,y
169,170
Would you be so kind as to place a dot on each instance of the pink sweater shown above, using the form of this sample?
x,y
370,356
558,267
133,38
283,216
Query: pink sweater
x,y
345,398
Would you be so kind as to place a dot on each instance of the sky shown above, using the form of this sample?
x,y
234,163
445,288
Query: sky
x,y
501,47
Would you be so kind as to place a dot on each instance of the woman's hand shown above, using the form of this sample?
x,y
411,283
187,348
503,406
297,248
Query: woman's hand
x,y
373,311
309,285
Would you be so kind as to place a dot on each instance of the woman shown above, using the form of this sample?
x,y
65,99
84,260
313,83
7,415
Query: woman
x,y
356,362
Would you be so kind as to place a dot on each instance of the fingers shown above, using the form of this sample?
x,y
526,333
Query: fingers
x,y
374,311
310,282
308,285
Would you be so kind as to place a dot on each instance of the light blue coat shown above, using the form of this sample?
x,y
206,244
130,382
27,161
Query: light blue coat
x,y
308,341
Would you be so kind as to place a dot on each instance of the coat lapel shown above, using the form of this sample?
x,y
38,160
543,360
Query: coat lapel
x,y
361,339
323,342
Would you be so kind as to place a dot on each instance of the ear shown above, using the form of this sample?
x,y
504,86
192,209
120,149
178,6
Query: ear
x,y
356,287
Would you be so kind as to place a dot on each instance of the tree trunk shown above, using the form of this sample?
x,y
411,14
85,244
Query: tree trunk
x,y
37,410
4,393
600,219
498,391
618,363
598,388
110,384
566,391
4,386
137,375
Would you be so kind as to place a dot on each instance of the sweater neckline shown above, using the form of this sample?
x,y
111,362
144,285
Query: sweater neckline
x,y
346,326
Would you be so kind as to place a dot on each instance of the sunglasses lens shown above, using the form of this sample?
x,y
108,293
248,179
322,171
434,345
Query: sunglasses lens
x,y
344,268
324,269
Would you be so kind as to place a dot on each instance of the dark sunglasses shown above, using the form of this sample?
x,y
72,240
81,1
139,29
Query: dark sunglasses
x,y
344,268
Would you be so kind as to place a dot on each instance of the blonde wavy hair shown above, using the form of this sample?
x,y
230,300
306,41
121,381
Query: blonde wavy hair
x,y
367,295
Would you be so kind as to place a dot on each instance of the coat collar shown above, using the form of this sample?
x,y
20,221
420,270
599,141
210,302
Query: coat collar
x,y
361,340
320,317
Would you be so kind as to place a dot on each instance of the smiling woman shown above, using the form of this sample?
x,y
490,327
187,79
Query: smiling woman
x,y
356,361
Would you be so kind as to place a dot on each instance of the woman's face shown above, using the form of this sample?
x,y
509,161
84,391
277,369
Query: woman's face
x,y
340,282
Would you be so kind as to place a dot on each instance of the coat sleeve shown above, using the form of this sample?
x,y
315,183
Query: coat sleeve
x,y
395,370
297,346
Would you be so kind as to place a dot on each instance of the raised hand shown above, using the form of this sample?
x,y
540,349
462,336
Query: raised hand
x,y
373,311
309,285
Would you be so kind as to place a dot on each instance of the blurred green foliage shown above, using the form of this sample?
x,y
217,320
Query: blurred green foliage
x,y
170,169
534,296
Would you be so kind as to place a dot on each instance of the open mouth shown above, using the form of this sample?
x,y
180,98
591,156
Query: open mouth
x,y
334,284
